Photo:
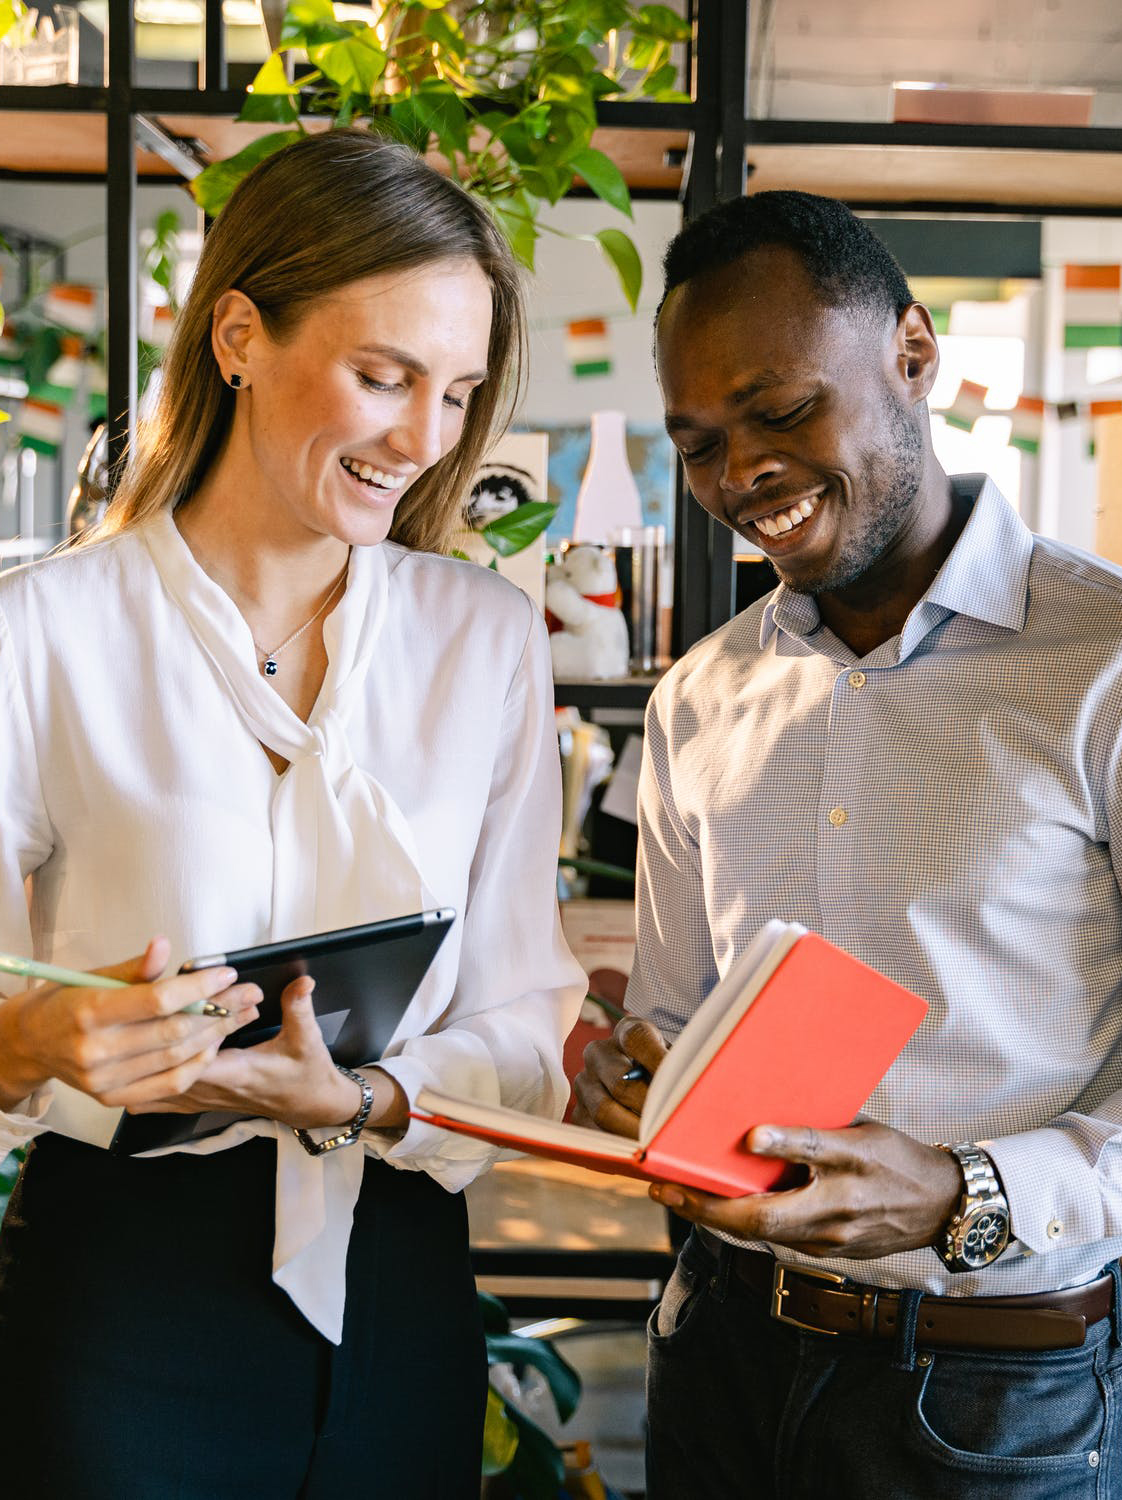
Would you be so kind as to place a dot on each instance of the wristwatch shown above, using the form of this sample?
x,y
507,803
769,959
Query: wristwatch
x,y
350,1133
978,1230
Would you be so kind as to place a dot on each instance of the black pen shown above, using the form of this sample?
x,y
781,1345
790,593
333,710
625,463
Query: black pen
x,y
635,1074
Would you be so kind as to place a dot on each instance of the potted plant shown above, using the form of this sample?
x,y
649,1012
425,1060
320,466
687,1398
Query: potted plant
x,y
504,93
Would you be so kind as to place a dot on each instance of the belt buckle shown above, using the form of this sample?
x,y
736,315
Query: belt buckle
x,y
779,1291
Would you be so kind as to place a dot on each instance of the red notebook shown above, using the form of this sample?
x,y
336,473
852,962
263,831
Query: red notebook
x,y
797,1033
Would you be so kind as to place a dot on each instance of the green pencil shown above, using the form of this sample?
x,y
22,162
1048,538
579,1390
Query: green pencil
x,y
30,968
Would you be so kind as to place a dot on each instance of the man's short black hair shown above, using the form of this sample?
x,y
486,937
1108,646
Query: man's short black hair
x,y
847,263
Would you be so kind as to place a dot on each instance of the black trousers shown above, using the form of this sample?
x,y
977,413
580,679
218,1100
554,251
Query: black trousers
x,y
145,1353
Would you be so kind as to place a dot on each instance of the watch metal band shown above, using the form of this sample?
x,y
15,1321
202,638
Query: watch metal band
x,y
979,1229
351,1133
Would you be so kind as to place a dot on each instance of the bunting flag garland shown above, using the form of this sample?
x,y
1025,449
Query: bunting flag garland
x,y
64,374
588,347
40,426
1092,307
11,354
1101,409
968,405
72,307
163,321
1026,424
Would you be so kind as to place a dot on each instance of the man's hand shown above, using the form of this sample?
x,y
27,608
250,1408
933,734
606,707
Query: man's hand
x,y
604,1099
872,1191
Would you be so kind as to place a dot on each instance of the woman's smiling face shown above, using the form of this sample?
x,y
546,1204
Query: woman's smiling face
x,y
367,391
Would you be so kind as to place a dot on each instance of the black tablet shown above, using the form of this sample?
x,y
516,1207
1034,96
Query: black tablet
x,y
365,978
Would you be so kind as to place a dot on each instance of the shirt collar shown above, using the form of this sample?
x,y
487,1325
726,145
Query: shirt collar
x,y
985,575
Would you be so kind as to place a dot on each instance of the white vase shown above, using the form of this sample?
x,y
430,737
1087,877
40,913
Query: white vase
x,y
609,497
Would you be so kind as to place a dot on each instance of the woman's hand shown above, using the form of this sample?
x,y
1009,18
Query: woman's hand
x,y
120,1046
606,1098
290,1078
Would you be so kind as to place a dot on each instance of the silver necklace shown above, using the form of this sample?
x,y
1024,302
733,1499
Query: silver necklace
x,y
269,661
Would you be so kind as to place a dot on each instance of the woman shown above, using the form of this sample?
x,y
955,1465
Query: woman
x,y
260,705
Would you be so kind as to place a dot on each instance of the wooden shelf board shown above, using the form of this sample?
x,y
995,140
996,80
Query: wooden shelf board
x,y
45,143
929,174
40,143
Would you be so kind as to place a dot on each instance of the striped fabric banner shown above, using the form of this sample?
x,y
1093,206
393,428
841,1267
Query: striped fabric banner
x,y
73,307
40,426
588,347
968,405
1092,307
1026,424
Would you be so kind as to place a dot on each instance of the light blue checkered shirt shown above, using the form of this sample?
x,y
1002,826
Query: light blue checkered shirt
x,y
977,759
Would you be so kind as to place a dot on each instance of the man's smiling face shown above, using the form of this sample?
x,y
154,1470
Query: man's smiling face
x,y
791,418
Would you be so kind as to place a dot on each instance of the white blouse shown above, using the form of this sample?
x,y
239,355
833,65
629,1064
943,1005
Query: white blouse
x,y
135,799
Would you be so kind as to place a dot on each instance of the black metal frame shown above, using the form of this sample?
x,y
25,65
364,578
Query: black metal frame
x,y
720,132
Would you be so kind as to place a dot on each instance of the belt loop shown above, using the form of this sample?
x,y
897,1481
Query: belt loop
x,y
720,1281
907,1316
1114,1271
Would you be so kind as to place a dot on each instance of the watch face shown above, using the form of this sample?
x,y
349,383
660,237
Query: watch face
x,y
983,1236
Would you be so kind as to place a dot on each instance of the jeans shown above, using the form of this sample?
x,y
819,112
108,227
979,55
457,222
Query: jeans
x,y
742,1407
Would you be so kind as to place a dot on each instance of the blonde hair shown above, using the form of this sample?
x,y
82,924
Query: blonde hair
x,y
323,212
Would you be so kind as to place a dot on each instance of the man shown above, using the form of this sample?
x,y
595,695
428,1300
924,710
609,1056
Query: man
x,y
912,747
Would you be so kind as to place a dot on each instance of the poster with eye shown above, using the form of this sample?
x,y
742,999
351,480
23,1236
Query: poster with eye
x,y
514,473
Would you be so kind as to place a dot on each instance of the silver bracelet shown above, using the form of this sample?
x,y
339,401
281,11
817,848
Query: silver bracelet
x,y
351,1133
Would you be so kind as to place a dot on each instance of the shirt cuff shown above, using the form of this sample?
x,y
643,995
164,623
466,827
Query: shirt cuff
x,y
1053,1192
19,1125
452,1160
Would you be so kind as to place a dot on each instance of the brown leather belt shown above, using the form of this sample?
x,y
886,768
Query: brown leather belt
x,y
822,1302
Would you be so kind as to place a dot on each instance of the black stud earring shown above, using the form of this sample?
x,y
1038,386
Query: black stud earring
x,y
237,381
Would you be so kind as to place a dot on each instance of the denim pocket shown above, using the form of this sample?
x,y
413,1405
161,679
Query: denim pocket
x,y
1041,1420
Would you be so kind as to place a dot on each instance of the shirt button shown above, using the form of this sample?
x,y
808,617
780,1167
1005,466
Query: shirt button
x,y
857,679
838,816
1055,1228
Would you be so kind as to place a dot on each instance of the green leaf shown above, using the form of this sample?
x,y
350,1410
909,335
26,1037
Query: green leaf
x,y
355,64
521,231
660,80
440,107
442,29
518,528
167,223
211,189
663,22
495,1317
272,109
603,177
409,124
301,16
562,1379
500,1435
551,183
625,258
272,79
537,1470
644,52
433,4
9,14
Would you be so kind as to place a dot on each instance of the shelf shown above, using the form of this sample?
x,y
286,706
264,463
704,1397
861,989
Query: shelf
x,y
60,132
1007,168
605,692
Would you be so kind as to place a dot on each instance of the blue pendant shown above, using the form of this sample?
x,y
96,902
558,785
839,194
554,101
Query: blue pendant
x,y
270,667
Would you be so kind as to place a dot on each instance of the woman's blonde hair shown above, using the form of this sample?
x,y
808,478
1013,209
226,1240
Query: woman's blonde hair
x,y
323,212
